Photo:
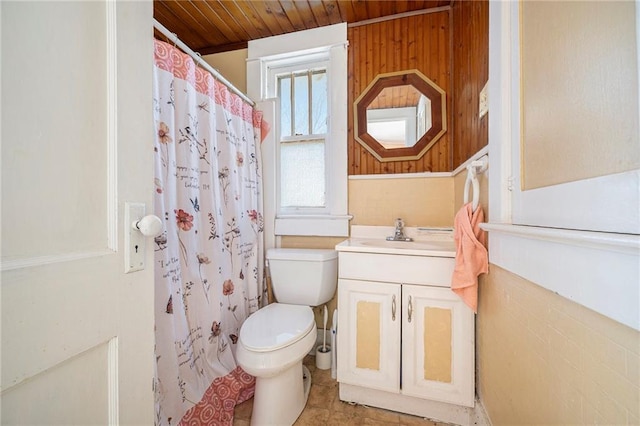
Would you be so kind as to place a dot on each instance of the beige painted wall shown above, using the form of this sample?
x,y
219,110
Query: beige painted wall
x,y
542,359
232,65
418,201
579,91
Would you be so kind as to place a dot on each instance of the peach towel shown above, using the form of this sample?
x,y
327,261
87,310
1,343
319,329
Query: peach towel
x,y
471,254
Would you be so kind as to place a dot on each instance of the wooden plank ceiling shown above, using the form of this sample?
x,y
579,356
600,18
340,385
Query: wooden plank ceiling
x,y
212,26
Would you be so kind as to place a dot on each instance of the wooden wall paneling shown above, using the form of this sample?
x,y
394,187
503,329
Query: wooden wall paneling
x,y
445,155
404,43
362,69
420,38
451,99
412,41
416,42
459,85
376,59
358,65
482,37
476,85
470,65
352,162
397,44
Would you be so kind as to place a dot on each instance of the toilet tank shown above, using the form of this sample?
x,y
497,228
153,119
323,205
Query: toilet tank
x,y
303,276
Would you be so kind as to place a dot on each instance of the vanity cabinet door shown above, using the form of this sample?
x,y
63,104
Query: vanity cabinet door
x,y
438,345
369,334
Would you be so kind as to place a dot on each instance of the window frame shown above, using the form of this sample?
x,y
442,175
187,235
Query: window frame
x,y
290,48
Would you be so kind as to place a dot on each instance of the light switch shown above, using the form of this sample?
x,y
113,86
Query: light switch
x,y
484,102
134,241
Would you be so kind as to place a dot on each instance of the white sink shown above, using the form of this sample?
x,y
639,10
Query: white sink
x,y
410,245
432,248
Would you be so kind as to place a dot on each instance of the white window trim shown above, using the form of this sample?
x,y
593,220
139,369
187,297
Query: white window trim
x,y
275,51
599,270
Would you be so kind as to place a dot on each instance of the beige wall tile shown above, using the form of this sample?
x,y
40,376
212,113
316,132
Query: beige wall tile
x,y
585,373
633,367
418,201
612,384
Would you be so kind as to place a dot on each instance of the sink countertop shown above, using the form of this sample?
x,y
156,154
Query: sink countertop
x,y
435,242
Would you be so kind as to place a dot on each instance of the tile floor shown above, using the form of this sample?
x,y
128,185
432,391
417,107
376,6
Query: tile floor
x,y
325,408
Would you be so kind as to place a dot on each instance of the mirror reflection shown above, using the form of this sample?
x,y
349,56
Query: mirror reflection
x,y
399,116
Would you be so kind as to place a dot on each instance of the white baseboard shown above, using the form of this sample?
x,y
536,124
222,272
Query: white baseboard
x,y
480,416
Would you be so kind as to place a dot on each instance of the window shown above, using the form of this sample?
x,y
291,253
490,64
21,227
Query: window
x,y
303,129
301,79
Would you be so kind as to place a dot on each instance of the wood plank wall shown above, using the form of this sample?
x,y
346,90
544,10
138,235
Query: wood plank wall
x,y
451,50
419,42
470,35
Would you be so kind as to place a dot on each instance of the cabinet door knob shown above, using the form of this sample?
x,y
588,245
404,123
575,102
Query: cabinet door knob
x,y
393,308
410,310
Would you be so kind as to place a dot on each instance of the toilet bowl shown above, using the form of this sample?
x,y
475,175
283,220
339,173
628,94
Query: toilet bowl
x,y
274,340
271,346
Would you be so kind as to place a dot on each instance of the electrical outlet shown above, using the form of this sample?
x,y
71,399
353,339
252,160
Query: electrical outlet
x,y
484,102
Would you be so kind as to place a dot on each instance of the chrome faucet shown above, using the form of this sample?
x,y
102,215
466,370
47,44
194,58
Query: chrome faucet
x,y
398,235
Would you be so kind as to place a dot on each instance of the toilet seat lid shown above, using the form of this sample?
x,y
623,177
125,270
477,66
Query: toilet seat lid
x,y
275,326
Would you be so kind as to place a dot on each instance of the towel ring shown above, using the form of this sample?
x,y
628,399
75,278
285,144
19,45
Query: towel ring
x,y
472,179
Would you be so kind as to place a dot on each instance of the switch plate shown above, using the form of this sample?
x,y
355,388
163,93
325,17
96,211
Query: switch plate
x,y
483,108
134,241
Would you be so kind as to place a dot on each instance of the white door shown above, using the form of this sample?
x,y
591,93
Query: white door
x,y
77,332
437,345
369,337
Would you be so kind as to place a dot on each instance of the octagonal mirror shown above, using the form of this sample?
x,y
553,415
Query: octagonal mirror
x,y
399,116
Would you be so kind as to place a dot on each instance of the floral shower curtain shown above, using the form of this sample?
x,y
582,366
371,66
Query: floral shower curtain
x,y
208,260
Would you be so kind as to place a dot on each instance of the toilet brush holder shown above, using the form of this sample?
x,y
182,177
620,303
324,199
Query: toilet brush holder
x,y
323,357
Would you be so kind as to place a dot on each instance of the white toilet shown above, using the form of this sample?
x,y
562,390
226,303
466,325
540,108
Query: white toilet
x,y
274,340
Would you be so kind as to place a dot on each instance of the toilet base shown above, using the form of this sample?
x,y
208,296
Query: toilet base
x,y
306,383
279,400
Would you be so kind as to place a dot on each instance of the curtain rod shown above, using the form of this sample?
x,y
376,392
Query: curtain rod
x,y
196,57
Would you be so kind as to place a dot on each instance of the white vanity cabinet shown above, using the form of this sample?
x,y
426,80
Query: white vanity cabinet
x,y
405,340
437,345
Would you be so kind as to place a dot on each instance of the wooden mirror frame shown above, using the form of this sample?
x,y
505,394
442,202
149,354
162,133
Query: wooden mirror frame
x,y
424,85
